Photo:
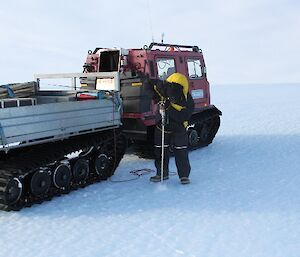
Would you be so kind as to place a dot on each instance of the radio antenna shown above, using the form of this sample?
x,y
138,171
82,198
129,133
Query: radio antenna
x,y
150,20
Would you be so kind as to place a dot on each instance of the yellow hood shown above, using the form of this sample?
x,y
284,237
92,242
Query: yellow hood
x,y
181,80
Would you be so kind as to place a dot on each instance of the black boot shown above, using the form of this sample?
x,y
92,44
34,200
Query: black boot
x,y
185,180
157,178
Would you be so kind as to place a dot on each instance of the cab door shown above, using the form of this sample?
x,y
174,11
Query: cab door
x,y
198,83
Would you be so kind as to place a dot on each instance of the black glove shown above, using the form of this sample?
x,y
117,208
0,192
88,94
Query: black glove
x,y
153,87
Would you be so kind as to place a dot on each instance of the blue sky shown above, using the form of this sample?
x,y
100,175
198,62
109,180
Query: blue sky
x,y
243,41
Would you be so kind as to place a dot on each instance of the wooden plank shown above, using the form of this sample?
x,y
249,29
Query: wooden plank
x,y
20,90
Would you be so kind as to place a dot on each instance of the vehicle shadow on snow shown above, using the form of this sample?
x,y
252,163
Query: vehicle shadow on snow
x,y
235,174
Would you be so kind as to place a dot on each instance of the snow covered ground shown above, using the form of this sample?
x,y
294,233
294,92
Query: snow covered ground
x,y
244,199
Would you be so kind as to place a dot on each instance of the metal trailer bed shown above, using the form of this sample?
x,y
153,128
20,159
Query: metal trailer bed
x,y
54,116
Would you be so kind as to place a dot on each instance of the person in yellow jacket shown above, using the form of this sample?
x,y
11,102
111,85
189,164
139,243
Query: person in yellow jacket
x,y
179,106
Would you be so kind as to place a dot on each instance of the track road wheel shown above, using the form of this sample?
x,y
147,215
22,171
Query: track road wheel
x,y
204,133
62,176
80,170
193,137
40,182
102,165
13,191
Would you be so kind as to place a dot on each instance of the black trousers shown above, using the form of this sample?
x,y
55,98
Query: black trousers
x,y
180,142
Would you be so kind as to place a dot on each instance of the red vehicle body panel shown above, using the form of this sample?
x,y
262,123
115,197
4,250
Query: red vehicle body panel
x,y
139,58
139,119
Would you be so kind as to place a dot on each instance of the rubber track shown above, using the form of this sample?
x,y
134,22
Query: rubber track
x,y
215,124
23,164
146,149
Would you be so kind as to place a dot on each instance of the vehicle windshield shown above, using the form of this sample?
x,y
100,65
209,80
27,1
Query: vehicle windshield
x,y
165,67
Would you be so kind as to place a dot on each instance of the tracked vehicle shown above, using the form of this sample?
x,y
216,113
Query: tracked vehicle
x,y
156,61
53,142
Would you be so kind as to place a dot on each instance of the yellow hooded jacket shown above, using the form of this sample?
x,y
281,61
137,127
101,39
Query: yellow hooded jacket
x,y
181,80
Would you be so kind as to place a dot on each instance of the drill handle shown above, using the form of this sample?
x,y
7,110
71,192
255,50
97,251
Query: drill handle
x,y
162,111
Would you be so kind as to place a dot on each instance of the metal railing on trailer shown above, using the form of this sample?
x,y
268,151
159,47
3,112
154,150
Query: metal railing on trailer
x,y
46,122
104,80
